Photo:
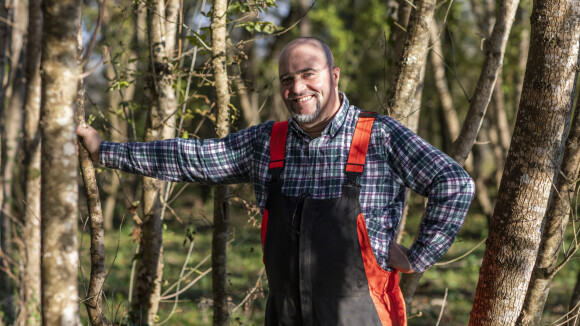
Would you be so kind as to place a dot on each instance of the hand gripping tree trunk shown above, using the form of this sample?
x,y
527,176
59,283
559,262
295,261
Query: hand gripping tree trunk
x,y
532,164
59,194
150,262
30,286
221,213
558,213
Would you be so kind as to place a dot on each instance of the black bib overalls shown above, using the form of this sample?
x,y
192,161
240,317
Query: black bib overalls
x,y
320,266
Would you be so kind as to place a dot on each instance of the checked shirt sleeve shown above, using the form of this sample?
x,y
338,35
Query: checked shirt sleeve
x,y
449,190
212,161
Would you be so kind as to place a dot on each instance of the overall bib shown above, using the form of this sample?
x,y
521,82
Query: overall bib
x,y
320,265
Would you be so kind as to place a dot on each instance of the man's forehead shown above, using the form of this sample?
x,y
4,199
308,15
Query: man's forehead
x,y
302,57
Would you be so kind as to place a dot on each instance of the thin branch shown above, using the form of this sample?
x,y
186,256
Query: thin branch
x,y
254,289
178,284
89,51
462,256
188,285
442,307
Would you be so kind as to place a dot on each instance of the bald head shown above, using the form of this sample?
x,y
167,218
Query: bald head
x,y
312,41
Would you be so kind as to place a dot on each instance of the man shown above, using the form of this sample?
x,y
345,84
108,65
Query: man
x,y
331,184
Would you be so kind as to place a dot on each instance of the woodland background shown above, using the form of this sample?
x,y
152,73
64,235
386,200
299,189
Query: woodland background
x,y
491,83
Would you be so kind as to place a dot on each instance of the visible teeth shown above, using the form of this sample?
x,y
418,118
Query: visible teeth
x,y
304,99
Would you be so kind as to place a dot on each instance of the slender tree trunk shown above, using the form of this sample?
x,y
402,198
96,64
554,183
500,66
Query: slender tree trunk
x,y
412,62
449,112
532,163
59,194
305,26
160,126
494,53
11,129
30,287
118,134
555,223
4,46
93,302
221,211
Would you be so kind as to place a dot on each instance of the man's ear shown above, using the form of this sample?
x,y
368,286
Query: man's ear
x,y
335,72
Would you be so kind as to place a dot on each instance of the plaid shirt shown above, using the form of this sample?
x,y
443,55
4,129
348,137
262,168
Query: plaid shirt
x,y
396,158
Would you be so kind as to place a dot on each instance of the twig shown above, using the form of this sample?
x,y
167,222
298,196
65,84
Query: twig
x,y
462,256
178,284
94,36
442,307
107,51
566,317
254,289
188,285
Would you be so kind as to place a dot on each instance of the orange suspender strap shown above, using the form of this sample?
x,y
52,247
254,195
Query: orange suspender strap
x,y
278,144
360,143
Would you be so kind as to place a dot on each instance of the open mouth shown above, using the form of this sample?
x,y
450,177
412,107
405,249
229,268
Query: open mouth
x,y
304,99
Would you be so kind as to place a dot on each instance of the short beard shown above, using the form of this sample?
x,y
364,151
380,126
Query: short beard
x,y
308,118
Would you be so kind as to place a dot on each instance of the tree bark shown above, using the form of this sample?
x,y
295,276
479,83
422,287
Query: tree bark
x,y
412,62
555,223
221,211
494,53
59,194
30,287
161,124
532,163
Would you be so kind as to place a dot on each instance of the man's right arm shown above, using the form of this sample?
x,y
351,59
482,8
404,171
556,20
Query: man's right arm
x,y
212,161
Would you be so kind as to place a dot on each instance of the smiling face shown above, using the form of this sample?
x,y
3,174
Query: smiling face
x,y
309,82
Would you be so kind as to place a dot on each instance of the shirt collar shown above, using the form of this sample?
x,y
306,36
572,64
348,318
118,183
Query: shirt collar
x,y
336,123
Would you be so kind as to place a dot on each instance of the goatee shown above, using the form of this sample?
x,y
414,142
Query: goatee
x,y
308,118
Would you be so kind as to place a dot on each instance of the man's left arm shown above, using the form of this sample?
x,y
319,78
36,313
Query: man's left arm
x,y
448,188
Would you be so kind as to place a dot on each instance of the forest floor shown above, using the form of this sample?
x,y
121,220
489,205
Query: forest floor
x,y
445,292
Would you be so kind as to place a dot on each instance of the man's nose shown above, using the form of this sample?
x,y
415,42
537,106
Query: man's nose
x,y
298,86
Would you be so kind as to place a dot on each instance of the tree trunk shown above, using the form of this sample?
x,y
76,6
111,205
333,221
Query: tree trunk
x,y
305,26
93,302
557,218
449,112
412,62
59,194
12,125
30,287
161,124
532,163
118,134
221,212
494,53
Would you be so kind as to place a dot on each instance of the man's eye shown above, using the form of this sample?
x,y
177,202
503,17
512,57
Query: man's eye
x,y
307,75
285,81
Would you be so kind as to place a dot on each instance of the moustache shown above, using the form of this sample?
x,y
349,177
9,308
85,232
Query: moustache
x,y
297,96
